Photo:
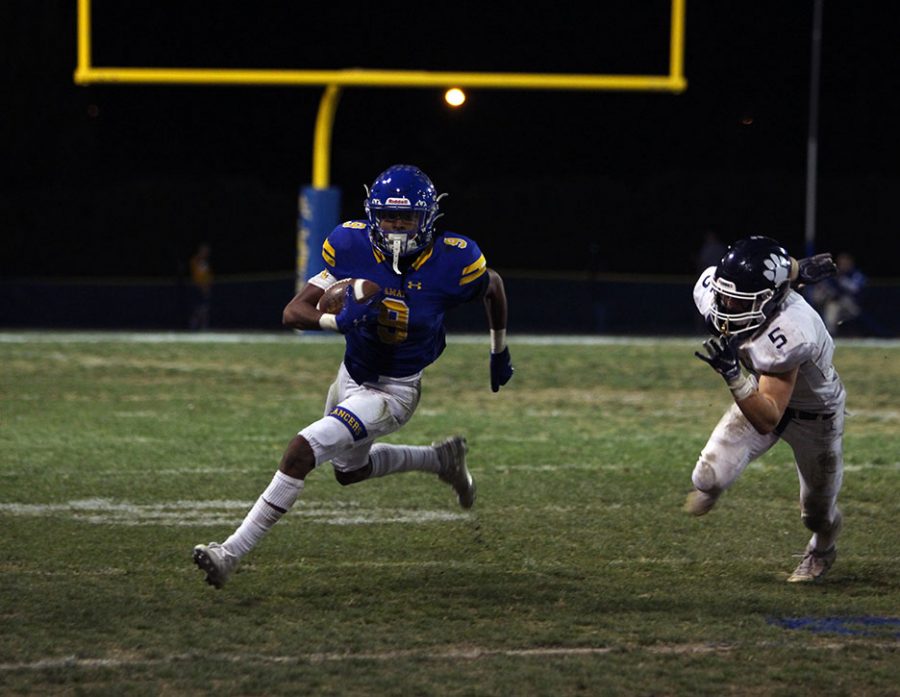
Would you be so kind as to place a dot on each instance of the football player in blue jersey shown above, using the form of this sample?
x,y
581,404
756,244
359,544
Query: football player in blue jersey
x,y
390,340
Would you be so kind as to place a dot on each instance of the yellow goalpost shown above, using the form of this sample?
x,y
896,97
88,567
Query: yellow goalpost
x,y
334,80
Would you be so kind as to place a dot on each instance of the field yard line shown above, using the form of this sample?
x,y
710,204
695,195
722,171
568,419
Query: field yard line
x,y
14,337
211,513
460,654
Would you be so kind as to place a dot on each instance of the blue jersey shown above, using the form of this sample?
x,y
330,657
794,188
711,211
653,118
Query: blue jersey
x,y
410,331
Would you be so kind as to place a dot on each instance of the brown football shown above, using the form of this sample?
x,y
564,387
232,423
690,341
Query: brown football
x,y
332,300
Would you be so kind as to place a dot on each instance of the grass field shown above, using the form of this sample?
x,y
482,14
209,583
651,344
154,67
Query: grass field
x,y
575,573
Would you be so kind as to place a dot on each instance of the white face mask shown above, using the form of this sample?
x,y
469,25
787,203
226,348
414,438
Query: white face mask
x,y
399,233
735,312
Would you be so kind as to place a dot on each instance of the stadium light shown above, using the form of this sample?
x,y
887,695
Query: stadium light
x,y
455,97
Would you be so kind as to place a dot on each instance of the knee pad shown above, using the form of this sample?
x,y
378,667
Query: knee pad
x,y
353,476
704,477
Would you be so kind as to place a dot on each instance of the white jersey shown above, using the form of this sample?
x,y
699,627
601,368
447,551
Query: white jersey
x,y
794,337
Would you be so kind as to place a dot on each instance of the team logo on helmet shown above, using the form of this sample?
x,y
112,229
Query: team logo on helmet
x,y
777,269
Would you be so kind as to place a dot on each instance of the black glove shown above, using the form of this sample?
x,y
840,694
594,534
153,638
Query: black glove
x,y
501,369
815,268
722,357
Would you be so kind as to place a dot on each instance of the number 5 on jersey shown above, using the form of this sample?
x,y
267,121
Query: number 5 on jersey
x,y
777,337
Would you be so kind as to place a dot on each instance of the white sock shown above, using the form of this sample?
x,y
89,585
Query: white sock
x,y
275,501
391,459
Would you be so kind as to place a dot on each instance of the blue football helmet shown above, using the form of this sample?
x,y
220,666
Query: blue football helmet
x,y
749,285
402,206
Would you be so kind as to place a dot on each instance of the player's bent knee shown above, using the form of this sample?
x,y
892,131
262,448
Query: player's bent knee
x,y
354,476
298,459
704,477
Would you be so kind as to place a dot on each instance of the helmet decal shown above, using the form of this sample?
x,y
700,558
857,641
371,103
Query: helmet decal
x,y
777,269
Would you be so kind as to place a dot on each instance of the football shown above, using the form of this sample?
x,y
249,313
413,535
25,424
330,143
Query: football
x,y
332,300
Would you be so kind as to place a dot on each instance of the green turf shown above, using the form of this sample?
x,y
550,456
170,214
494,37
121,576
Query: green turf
x,y
575,573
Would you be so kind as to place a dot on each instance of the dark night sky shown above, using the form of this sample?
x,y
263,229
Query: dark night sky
x,y
122,180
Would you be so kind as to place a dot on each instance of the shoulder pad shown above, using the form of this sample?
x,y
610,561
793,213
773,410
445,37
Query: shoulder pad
x,y
781,346
464,251
343,239
703,296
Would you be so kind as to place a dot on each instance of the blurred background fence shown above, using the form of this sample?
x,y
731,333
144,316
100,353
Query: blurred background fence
x,y
604,304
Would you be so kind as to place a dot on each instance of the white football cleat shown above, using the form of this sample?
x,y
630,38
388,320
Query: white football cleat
x,y
813,566
216,561
452,454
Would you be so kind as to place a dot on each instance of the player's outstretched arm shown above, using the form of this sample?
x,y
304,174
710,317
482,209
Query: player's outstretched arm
x,y
496,308
812,269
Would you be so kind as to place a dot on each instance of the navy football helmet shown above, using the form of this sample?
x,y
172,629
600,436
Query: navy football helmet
x,y
749,285
402,206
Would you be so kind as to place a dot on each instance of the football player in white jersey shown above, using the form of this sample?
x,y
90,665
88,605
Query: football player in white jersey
x,y
790,390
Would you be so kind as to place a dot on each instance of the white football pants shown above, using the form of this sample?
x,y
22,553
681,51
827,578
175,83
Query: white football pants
x,y
818,452
356,415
